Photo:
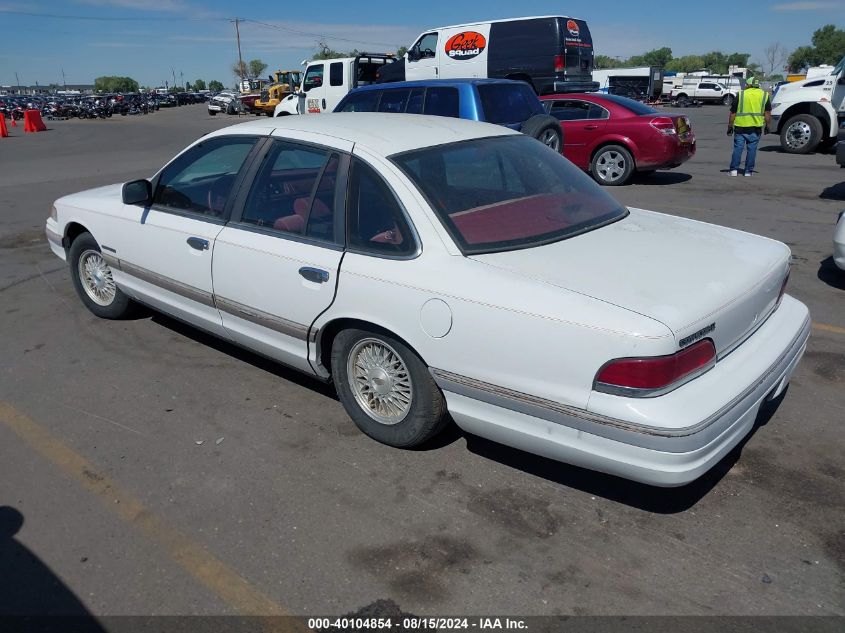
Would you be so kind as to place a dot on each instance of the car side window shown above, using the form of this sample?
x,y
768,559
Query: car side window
x,y
364,101
415,101
336,74
442,102
200,180
427,46
570,110
598,112
375,222
294,192
394,101
313,77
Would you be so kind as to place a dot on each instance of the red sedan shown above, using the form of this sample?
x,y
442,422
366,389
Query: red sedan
x,y
612,137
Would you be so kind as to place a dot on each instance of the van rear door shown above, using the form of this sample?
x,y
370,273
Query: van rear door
x,y
577,49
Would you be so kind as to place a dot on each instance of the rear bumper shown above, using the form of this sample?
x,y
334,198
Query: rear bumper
x,y
839,242
672,154
555,86
664,453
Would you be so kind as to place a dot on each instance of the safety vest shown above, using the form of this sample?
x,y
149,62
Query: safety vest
x,y
751,109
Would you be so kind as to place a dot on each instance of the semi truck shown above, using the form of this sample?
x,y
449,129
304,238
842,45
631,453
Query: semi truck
x,y
808,113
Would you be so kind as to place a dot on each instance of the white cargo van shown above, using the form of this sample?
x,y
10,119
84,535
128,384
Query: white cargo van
x,y
552,53
326,81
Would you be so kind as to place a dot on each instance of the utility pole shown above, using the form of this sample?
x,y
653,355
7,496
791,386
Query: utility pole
x,y
182,79
237,21
64,81
18,79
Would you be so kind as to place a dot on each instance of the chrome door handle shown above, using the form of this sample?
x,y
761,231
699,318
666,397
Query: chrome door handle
x,y
316,275
591,127
198,243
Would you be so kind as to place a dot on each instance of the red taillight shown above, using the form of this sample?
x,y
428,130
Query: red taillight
x,y
664,125
559,65
647,375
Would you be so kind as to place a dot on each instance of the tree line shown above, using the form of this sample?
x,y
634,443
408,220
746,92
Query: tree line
x,y
828,47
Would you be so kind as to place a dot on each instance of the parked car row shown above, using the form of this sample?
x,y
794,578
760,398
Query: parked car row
x,y
93,106
610,137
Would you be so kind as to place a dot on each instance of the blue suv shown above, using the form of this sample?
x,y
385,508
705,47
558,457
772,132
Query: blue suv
x,y
501,101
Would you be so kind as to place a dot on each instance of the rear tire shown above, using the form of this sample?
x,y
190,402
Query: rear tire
x,y
92,278
386,388
612,165
801,134
728,100
545,129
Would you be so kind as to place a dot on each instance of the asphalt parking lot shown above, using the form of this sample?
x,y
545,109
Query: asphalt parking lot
x,y
146,468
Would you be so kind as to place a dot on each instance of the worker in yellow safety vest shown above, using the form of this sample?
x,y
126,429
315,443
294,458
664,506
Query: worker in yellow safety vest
x,y
751,114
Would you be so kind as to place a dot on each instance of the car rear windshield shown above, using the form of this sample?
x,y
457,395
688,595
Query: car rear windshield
x,y
507,192
508,103
634,106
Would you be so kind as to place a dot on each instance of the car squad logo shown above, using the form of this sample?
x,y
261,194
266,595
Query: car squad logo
x,y
573,28
466,45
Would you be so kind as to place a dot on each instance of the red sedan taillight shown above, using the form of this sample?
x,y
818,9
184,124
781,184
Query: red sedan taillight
x,y
560,66
655,375
664,125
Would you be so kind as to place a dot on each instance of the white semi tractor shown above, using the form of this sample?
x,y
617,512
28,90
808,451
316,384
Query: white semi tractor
x,y
808,113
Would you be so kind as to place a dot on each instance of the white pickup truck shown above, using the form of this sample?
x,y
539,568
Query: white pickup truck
x,y
326,81
705,91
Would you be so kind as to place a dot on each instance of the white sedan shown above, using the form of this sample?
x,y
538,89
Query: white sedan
x,y
434,268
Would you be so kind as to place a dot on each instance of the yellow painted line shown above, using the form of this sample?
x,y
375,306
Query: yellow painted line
x,y
190,556
824,327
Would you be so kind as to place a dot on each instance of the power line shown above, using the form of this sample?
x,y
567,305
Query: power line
x,y
288,29
98,18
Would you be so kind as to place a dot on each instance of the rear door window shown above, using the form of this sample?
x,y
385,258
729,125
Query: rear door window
x,y
442,102
505,104
336,74
415,101
394,101
570,110
364,101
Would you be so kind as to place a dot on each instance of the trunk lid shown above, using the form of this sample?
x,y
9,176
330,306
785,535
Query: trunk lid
x,y
688,275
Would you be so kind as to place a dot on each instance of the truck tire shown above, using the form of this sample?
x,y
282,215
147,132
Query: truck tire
x,y
545,129
728,100
801,134
679,99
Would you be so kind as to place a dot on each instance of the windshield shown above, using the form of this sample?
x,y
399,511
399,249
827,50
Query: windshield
x,y
507,192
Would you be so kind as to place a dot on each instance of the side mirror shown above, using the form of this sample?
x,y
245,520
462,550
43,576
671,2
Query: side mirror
x,y
137,192
413,54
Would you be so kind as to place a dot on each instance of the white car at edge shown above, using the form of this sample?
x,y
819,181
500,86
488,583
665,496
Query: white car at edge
x,y
429,265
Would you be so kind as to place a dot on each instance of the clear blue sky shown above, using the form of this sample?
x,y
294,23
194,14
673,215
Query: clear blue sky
x,y
145,39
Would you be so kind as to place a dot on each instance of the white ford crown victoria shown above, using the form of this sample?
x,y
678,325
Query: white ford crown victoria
x,y
433,266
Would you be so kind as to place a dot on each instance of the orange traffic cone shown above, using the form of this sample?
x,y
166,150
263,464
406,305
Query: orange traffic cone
x,y
3,131
14,123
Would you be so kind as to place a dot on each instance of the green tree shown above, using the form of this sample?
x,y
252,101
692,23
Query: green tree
x,y
686,64
215,86
110,83
738,59
256,68
240,69
606,61
400,52
199,84
657,57
188,86
324,51
828,48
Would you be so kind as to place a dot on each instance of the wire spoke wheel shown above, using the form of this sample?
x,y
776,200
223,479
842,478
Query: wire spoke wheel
x,y
610,166
96,278
380,381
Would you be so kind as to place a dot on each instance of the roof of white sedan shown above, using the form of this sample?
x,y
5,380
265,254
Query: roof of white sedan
x,y
383,133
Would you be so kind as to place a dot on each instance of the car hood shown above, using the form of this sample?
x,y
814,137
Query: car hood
x,y
685,274
84,199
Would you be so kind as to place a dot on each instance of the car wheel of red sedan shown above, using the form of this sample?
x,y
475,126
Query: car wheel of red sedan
x,y
612,165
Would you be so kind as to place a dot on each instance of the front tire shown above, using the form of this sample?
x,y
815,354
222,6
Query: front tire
x,y
386,388
612,165
728,100
801,134
92,278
